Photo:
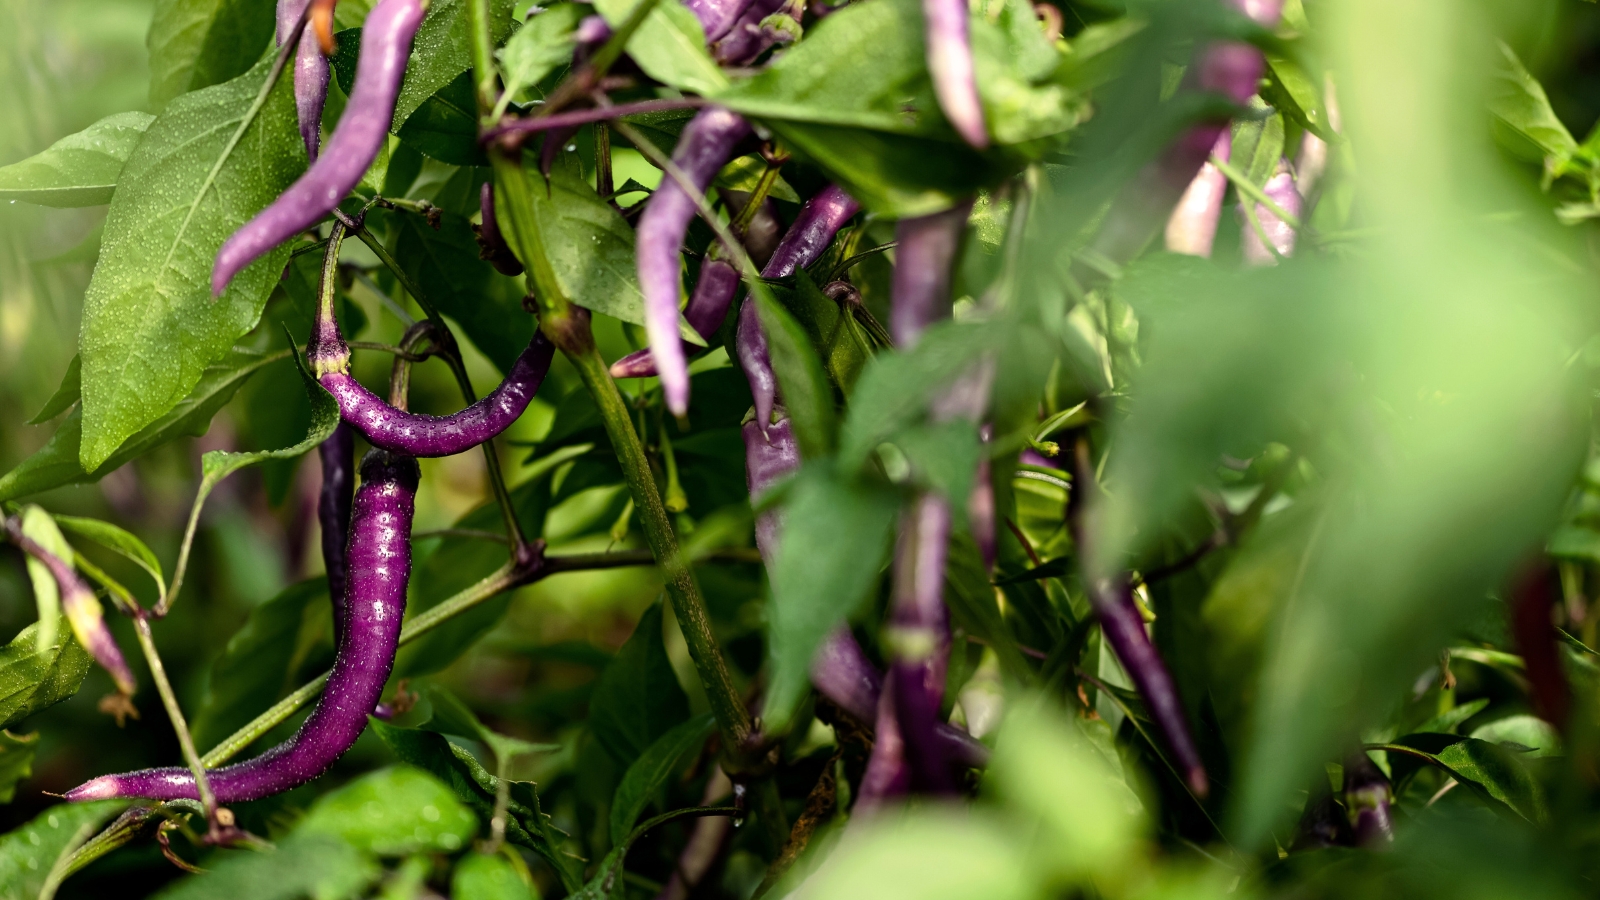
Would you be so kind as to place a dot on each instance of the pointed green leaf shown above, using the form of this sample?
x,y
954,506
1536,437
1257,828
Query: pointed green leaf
x,y
806,393
669,46
32,857
638,698
117,540
33,677
80,169
396,811
198,43
651,771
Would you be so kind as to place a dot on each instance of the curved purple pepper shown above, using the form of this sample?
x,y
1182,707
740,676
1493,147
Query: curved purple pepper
x,y
81,608
717,16
380,567
813,230
310,73
955,81
333,514
415,434
705,145
919,637
491,243
746,39
888,774
924,255
385,46
1280,188
1192,227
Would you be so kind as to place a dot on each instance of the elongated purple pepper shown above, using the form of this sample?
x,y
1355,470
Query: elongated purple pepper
x,y
704,146
746,39
385,46
310,73
717,16
380,566
81,608
333,514
1280,189
888,772
925,252
955,81
813,230
491,243
1192,227
415,434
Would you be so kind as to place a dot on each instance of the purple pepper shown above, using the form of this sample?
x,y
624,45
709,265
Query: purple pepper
x,y
919,637
924,253
415,434
1280,188
708,306
717,16
705,145
1123,629
746,39
592,32
385,47
333,514
310,73
81,608
1192,227
492,244
1368,799
380,567
955,82
888,774
813,230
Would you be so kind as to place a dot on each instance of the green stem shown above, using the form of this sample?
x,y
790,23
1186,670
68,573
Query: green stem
x,y
158,674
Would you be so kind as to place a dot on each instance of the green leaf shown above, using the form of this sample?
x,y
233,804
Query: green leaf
x,y
651,771
37,524
1524,733
31,857
1293,91
1014,62
319,866
396,811
590,247
637,699
33,678
1446,722
1490,770
445,126
150,326
669,46
445,265
1519,101
539,47
483,876
78,170
198,43
442,51
66,394
451,716
118,541
16,761
862,66
938,854
944,457
828,518
806,394
608,882
742,173
1257,145
838,338
255,667
57,462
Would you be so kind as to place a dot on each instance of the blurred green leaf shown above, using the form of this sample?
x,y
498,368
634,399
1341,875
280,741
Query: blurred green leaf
x,y
199,43
31,856
1446,722
117,540
669,46
320,866
892,175
539,47
150,324
835,534
256,666
1519,101
806,394
37,525
652,769
78,170
393,812
1539,737
57,462
1257,145
483,876
939,854
66,394
637,699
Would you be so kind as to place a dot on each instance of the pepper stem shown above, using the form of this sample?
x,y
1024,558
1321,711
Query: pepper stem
x,y
180,725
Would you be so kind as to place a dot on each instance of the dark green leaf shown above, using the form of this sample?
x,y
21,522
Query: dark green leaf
x,y
78,170
30,856
16,761
442,51
445,125
451,716
651,771
255,667
57,462
305,865
150,325
33,677
66,395
637,699
1492,771
944,457
806,394
828,518
393,812
198,43
117,540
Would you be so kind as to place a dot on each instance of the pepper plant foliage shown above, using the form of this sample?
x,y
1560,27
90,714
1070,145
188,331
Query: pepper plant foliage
x,y
942,450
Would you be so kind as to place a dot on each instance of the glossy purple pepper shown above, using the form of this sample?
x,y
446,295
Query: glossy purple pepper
x,y
310,73
380,566
717,16
705,145
491,243
333,514
1280,189
955,80
361,132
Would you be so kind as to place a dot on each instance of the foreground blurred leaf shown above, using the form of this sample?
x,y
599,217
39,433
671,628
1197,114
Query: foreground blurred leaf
x,y
651,770
31,856
80,169
313,865
482,876
150,325
57,462
199,43
828,519
33,677
806,394
393,812
254,669
936,854
637,699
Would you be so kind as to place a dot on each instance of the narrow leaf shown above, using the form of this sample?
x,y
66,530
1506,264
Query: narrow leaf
x,y
651,770
80,169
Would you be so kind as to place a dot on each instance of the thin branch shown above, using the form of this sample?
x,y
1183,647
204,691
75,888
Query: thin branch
x,y
519,128
158,674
